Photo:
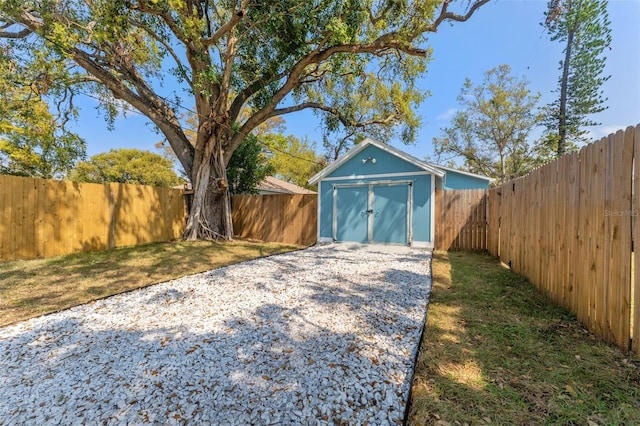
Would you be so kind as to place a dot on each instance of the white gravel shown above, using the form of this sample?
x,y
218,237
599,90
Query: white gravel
x,y
326,335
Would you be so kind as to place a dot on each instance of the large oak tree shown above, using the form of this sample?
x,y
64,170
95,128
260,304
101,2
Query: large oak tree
x,y
242,62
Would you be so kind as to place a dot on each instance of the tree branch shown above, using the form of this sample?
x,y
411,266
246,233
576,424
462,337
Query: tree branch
x,y
146,101
226,28
345,121
15,34
378,47
445,15
164,43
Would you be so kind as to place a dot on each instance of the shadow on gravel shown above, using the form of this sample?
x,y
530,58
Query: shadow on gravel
x,y
273,364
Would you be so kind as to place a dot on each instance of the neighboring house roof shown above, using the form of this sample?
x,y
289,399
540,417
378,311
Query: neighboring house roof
x,y
269,185
436,169
274,185
386,147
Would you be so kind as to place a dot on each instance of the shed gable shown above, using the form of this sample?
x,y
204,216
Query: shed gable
x,y
373,161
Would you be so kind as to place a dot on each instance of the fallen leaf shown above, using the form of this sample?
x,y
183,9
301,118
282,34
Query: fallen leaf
x,y
192,349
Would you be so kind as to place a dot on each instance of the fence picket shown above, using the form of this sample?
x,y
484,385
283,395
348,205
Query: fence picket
x,y
635,290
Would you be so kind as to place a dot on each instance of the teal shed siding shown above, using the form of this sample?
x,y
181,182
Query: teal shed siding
x,y
454,180
385,163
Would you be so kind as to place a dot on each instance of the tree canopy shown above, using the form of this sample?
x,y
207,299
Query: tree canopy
x,y
34,140
242,62
293,160
491,131
127,166
583,27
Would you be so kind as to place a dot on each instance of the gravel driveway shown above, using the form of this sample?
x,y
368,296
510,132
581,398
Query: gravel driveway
x,y
325,335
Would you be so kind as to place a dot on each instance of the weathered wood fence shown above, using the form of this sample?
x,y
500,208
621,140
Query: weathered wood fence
x,y
461,220
570,228
290,219
44,218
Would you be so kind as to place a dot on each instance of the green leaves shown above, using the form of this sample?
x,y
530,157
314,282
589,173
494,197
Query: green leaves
x,y
490,134
34,111
247,167
292,159
583,27
127,166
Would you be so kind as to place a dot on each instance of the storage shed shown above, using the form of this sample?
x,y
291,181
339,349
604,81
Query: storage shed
x,y
378,194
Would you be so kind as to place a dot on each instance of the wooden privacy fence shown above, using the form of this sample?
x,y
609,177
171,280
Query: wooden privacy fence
x,y
461,219
44,218
570,228
286,218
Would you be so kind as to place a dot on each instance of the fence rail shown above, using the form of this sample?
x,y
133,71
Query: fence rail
x,y
44,218
289,219
569,227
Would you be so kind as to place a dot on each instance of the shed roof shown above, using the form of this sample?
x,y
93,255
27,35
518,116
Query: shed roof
x,y
462,172
268,184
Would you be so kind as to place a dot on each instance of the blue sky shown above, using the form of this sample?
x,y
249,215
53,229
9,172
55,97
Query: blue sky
x,y
501,32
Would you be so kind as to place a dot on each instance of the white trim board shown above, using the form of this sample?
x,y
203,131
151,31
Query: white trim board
x,y
380,175
318,211
432,202
422,244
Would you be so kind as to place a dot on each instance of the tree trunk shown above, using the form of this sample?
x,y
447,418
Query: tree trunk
x,y
562,114
562,117
210,215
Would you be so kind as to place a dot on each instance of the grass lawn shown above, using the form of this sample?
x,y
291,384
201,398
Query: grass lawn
x,y
36,287
497,352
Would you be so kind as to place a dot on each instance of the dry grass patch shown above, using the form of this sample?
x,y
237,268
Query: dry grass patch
x,y
495,351
36,287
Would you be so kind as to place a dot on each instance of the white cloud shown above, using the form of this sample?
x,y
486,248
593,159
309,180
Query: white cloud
x,y
597,133
447,115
